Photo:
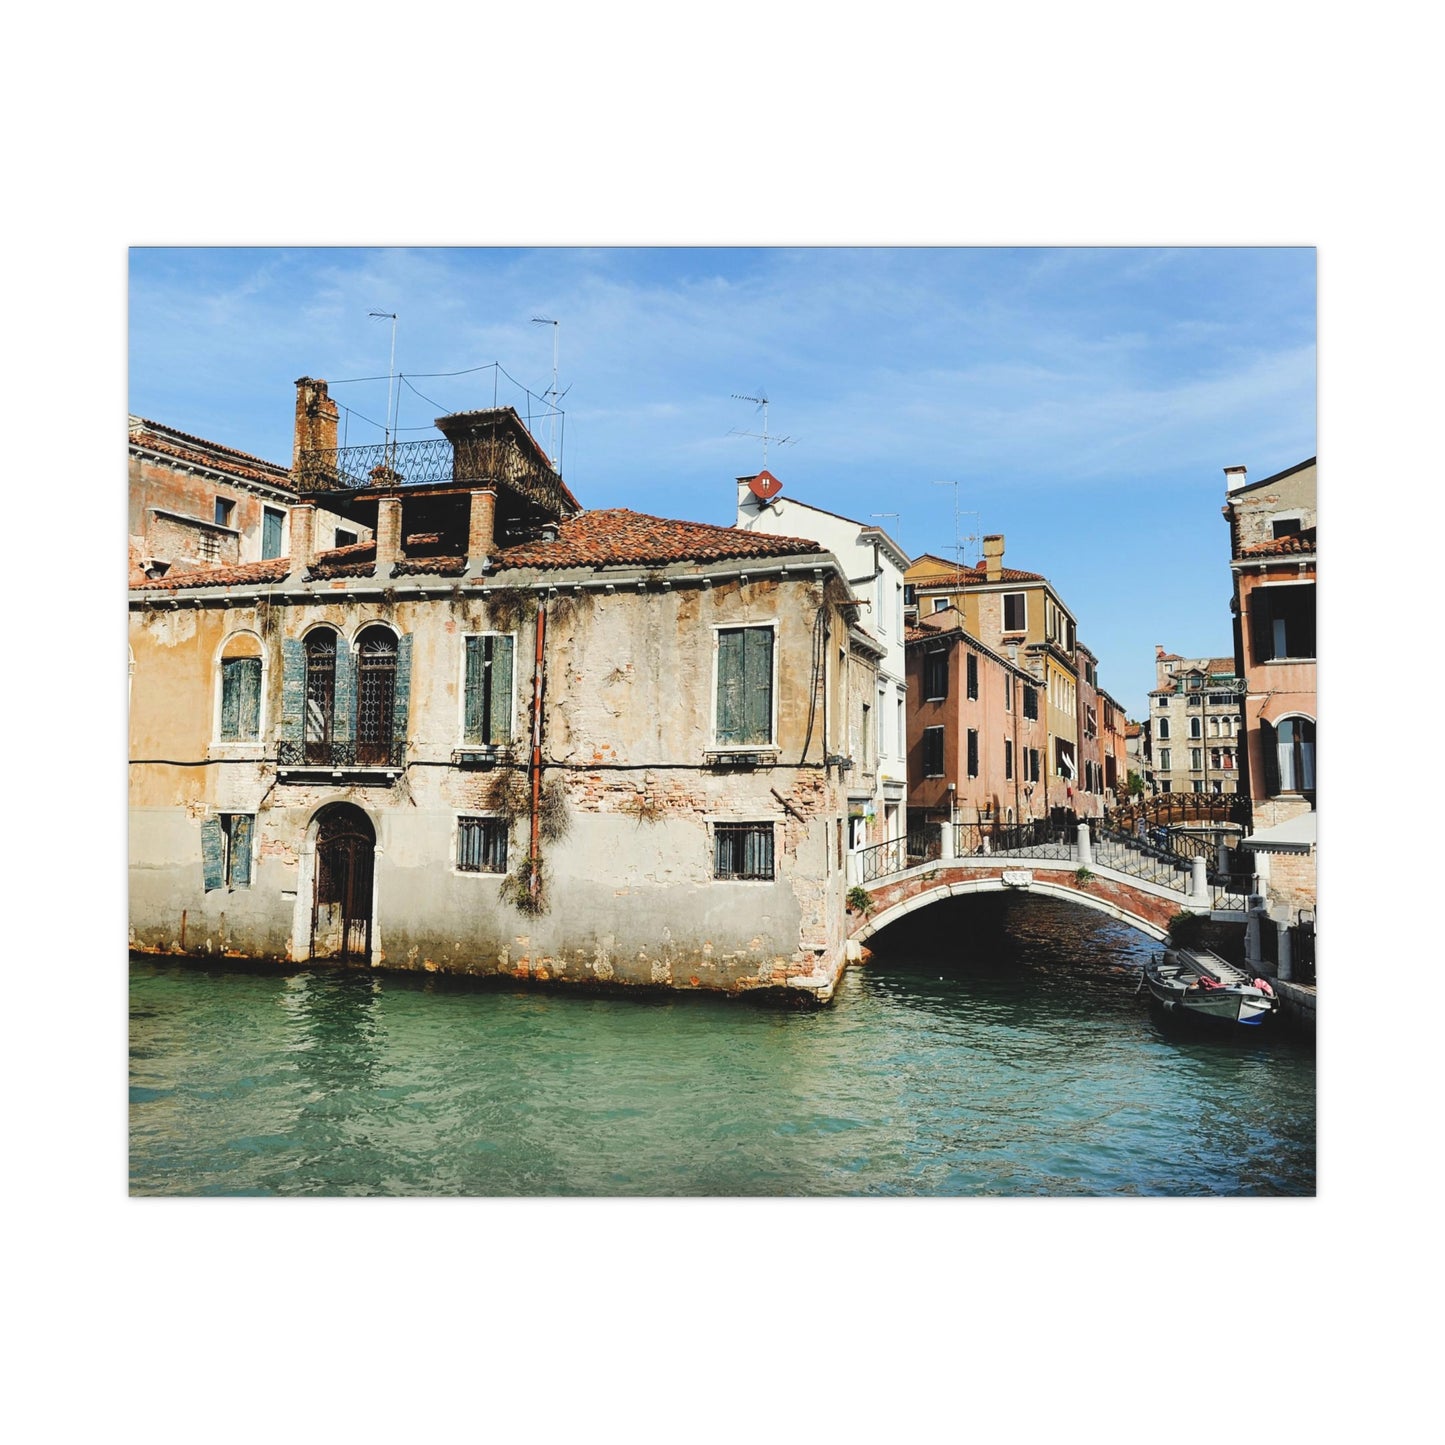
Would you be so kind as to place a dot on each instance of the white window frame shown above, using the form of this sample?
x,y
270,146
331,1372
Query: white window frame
x,y
239,747
1003,611
772,745
753,820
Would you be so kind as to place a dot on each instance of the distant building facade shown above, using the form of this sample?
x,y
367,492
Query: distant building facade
x,y
1196,724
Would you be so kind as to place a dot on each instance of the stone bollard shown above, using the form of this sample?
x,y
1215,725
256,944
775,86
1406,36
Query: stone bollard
x,y
1086,850
1199,882
947,841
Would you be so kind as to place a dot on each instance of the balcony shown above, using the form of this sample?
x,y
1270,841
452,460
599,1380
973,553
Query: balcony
x,y
376,763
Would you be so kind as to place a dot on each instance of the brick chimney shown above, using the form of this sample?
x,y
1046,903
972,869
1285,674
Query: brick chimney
x,y
1234,478
993,557
303,519
388,532
482,530
316,418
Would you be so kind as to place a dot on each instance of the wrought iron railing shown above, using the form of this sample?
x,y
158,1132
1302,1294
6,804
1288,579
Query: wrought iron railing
x,y
340,754
879,860
1231,892
1126,853
411,464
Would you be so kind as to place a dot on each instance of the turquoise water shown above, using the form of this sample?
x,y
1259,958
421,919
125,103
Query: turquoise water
x,y
998,1050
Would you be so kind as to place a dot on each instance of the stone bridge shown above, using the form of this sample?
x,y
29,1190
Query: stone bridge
x,y
1127,879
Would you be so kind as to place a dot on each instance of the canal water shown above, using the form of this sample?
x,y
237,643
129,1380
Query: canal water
x,y
995,1047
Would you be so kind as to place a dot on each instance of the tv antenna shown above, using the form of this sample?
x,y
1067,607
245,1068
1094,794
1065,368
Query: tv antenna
x,y
390,375
958,538
761,399
552,410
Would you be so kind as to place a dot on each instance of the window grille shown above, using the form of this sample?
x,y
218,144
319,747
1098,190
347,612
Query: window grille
x,y
375,696
743,851
481,845
320,695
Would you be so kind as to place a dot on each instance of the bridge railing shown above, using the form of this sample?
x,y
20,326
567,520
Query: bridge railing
x,y
1126,853
1039,838
880,860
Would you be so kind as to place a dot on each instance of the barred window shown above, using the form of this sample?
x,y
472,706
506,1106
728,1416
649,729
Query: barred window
x,y
481,845
743,851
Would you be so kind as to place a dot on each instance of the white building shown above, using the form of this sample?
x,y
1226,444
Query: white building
x,y
874,564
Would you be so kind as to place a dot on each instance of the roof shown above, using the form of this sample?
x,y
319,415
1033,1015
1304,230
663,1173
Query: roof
x,y
617,537
274,569
160,438
977,576
1278,476
1297,544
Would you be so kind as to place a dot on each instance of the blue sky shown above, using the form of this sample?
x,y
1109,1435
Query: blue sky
x,y
1085,400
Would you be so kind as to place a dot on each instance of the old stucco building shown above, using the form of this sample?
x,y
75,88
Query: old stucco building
x,y
508,736
1196,723
1273,533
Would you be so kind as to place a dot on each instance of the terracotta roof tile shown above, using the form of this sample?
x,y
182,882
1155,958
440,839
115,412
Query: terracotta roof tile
x,y
185,447
977,576
357,560
618,537
272,570
1302,543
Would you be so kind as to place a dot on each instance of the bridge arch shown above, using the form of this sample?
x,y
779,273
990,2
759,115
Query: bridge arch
x,y
940,889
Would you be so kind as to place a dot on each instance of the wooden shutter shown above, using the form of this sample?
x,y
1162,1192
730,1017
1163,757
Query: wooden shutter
x,y
250,698
293,688
758,684
973,752
730,722
401,697
213,853
240,850
500,731
231,698
472,719
1269,747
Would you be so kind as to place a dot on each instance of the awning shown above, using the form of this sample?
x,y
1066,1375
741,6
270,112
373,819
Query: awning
x,y
1298,835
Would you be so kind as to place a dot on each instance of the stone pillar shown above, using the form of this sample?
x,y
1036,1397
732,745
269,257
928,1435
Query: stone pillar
x,y
481,535
388,532
303,520
1086,849
947,840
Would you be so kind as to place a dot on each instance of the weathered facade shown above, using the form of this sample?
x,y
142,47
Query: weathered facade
x,y
509,737
195,505
878,705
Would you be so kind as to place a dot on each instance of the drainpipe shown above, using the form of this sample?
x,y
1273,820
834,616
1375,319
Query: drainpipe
x,y
534,882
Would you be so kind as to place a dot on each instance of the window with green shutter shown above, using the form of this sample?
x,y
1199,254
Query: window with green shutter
x,y
240,699
488,701
744,686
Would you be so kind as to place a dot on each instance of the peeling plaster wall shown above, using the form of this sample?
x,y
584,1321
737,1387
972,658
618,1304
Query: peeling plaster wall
x,y
628,722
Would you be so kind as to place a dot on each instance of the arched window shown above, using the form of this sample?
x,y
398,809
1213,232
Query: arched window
x,y
1163,728
1289,755
1195,729
375,695
320,694
240,711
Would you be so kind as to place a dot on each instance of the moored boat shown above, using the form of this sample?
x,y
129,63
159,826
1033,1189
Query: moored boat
x,y
1193,984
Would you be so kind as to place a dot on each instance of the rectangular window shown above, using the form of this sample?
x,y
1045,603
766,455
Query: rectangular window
x,y
745,686
932,752
1008,692
898,597
481,845
1285,527
345,538
1008,759
224,509
866,738
973,752
1031,702
240,699
1197,785
972,675
742,851
1091,722
935,675
940,604
1283,621
1032,774
1164,759
488,719
271,521
1015,611
1196,759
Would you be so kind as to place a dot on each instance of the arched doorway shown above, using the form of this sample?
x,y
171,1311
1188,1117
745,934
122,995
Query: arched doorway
x,y
341,894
